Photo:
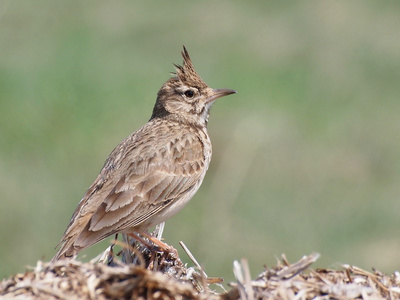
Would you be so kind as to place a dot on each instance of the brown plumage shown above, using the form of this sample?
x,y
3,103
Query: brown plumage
x,y
155,171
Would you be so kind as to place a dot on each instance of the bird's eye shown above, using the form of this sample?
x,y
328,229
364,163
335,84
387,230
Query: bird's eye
x,y
189,93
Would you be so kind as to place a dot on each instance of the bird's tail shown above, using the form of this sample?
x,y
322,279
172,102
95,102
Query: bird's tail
x,y
66,251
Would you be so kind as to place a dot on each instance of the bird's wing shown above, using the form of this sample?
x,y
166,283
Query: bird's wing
x,y
140,179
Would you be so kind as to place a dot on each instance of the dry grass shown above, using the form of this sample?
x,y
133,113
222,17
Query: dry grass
x,y
161,275
292,281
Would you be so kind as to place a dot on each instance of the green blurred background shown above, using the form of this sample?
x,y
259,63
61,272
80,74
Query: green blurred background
x,y
306,155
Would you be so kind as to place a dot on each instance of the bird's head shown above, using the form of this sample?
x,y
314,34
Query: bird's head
x,y
186,97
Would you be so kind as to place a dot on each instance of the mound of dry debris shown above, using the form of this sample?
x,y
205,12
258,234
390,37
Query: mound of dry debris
x,y
164,276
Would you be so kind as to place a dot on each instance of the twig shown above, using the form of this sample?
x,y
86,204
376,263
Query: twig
x,y
242,274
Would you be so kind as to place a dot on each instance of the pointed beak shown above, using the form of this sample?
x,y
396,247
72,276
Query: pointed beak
x,y
218,93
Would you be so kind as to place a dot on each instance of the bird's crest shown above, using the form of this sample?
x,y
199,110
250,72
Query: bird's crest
x,y
187,74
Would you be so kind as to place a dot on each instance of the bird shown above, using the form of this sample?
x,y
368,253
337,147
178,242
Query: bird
x,y
155,171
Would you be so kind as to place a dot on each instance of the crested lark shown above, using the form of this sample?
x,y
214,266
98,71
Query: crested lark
x,y
155,171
